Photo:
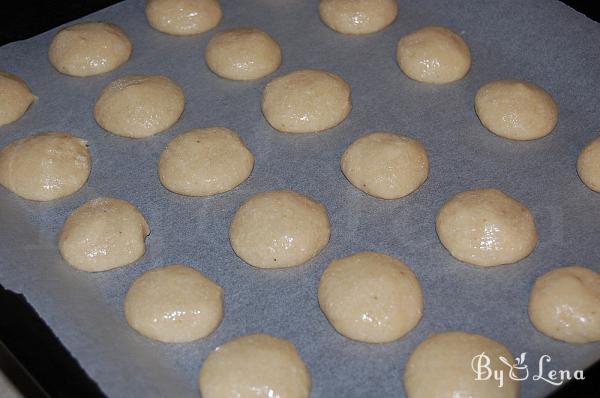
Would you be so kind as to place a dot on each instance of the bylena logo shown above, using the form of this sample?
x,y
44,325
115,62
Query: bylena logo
x,y
519,370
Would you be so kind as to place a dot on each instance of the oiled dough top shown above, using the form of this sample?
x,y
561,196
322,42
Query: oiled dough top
x,y
358,17
588,165
15,98
183,17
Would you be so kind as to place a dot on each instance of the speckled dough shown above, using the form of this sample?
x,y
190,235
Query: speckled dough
x,y
174,304
15,98
357,17
516,109
89,48
306,101
371,297
565,304
255,366
386,165
204,162
45,166
242,54
183,17
433,54
103,234
486,227
588,165
139,106
441,367
279,229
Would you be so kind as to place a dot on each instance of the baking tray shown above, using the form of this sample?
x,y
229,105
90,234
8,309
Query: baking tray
x,y
541,41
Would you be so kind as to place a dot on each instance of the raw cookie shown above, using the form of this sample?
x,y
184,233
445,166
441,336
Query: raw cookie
x,y
442,366
279,229
183,17
139,106
588,165
89,48
256,365
174,304
306,101
386,165
486,227
15,98
102,234
371,297
45,166
242,54
516,109
204,162
433,54
565,304
357,17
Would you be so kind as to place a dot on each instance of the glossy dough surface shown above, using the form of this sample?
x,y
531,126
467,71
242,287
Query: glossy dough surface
x,y
183,17
89,48
257,365
102,234
306,101
565,304
15,98
588,165
486,227
440,367
174,304
279,229
516,109
357,17
139,106
371,297
45,166
386,165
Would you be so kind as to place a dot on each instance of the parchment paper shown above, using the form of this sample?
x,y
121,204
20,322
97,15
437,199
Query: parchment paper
x,y
541,41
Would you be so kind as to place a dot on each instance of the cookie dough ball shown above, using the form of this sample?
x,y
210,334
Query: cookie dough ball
x,y
433,54
371,297
306,101
139,106
242,54
588,165
205,162
45,166
89,48
15,98
357,17
386,165
516,109
565,304
449,358
279,229
103,234
256,365
486,227
183,17
174,304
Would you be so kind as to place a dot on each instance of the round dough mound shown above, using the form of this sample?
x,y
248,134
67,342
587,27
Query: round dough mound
x,y
205,162
486,227
516,109
89,48
174,304
256,365
564,304
103,234
386,165
45,166
371,297
306,101
242,54
183,17
358,17
279,229
588,165
139,106
433,54
441,366
15,98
